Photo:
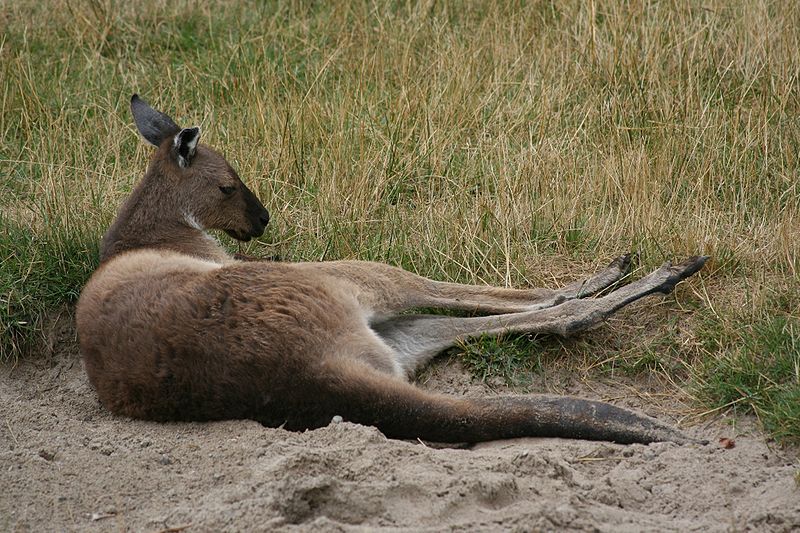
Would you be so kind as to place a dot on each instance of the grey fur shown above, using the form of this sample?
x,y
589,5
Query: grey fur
x,y
153,125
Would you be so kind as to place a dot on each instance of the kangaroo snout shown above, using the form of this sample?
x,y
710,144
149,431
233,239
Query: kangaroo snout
x,y
263,220
258,215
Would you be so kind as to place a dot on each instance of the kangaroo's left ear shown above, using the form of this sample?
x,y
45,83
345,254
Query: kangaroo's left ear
x,y
153,125
185,145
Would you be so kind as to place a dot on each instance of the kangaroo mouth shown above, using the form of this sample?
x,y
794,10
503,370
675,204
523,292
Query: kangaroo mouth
x,y
245,235
239,235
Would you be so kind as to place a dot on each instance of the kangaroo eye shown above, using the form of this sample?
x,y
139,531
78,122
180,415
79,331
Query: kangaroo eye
x,y
226,190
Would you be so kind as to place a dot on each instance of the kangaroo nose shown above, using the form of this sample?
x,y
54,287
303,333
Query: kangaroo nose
x,y
264,218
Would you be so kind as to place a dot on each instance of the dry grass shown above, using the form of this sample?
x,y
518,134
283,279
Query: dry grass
x,y
472,141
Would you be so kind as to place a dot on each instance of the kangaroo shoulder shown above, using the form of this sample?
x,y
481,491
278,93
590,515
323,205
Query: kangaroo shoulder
x,y
147,264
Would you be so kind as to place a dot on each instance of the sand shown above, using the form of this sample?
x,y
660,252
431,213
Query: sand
x,y
68,465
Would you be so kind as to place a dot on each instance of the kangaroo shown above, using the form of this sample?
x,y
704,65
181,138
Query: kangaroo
x,y
171,327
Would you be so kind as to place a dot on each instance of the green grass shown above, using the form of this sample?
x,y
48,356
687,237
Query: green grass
x,y
754,366
512,143
41,272
511,359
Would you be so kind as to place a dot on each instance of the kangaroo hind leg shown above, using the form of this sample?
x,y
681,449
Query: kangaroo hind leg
x,y
385,290
363,345
497,300
417,338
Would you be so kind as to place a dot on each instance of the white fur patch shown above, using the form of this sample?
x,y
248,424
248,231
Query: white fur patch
x,y
193,222
191,146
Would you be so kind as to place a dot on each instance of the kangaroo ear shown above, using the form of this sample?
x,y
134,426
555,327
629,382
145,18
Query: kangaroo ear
x,y
185,145
154,125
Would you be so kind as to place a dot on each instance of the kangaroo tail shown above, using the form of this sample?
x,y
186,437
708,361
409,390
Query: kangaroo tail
x,y
359,394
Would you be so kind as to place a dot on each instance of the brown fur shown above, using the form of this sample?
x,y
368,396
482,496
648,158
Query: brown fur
x,y
155,214
172,328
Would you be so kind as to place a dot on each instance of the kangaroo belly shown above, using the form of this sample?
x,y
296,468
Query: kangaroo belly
x,y
170,337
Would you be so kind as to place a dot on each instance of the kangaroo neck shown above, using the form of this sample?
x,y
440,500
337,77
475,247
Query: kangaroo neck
x,y
178,238
151,218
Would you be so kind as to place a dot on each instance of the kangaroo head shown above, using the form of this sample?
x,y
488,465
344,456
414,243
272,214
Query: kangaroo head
x,y
202,187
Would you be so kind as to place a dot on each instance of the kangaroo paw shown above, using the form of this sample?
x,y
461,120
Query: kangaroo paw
x,y
615,271
679,272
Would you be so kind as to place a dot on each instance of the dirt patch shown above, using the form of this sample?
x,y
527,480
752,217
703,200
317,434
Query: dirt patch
x,y
68,465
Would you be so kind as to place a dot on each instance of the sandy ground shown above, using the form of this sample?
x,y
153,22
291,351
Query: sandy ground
x,y
66,464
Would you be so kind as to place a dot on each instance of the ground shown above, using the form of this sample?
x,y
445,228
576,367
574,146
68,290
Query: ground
x,y
69,465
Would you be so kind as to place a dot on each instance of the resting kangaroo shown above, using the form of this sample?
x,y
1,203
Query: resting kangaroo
x,y
173,328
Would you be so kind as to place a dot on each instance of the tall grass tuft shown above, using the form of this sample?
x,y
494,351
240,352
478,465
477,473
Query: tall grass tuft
x,y
754,366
